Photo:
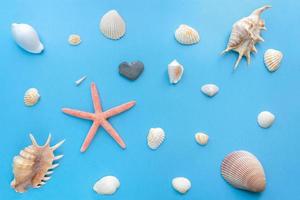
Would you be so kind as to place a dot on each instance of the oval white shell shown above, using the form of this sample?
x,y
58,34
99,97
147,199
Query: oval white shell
x,y
107,185
243,170
112,25
185,34
265,119
155,138
201,138
27,38
272,59
74,39
31,97
210,89
181,184
175,71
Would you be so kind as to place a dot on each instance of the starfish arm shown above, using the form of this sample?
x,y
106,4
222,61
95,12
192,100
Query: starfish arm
x,y
113,133
78,113
119,109
96,98
88,139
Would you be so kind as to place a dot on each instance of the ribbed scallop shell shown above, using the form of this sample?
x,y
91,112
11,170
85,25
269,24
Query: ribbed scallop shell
x,y
33,166
243,170
185,34
210,89
112,25
31,97
155,138
201,138
272,59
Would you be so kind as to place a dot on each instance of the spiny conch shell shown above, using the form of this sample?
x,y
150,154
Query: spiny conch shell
x,y
112,25
27,38
155,138
245,34
185,34
210,89
31,97
175,71
74,39
265,119
201,138
272,59
181,184
243,170
33,166
107,185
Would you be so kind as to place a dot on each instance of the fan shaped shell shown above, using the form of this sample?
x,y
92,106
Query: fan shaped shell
x,y
243,170
187,35
175,71
201,138
107,185
112,25
272,59
155,138
31,97
210,89
181,184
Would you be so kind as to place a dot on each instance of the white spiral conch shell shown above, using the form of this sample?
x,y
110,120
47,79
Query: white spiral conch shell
x,y
27,38
245,34
31,97
181,184
243,170
272,59
187,35
201,138
265,119
107,185
155,137
175,71
112,25
210,89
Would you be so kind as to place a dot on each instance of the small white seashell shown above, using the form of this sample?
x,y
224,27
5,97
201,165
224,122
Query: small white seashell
x,y
272,59
210,89
201,138
31,97
74,39
185,34
181,184
175,71
265,119
27,38
155,138
107,185
112,25
79,81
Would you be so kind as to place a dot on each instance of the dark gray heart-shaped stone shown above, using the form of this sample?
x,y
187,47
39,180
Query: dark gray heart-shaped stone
x,y
131,70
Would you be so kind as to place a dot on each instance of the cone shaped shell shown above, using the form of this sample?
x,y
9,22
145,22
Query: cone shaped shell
x,y
175,71
187,35
112,25
272,59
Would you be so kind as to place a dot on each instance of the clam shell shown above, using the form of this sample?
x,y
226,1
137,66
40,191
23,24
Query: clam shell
x,y
210,89
185,34
74,39
201,138
243,170
27,38
155,138
107,185
181,184
112,25
265,119
31,97
272,59
175,71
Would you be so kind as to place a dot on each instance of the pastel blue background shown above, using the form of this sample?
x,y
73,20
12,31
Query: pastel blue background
x,y
182,110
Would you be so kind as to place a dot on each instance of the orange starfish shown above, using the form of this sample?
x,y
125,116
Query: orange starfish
x,y
99,118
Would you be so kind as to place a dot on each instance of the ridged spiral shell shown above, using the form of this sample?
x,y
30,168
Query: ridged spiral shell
x,y
31,97
187,35
112,25
243,170
155,138
272,59
33,166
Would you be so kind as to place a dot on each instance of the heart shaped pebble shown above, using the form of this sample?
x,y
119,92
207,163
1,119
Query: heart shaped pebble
x,y
131,70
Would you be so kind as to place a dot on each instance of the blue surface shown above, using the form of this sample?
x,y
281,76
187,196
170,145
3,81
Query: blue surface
x,y
182,110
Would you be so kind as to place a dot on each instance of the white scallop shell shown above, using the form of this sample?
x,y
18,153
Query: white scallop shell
x,y
155,138
265,119
272,59
181,184
74,39
27,38
112,25
201,138
243,170
185,34
107,185
31,97
175,71
210,89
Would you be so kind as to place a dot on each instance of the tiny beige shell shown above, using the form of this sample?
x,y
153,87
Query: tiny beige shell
x,y
31,97
187,35
74,39
272,59
201,138
175,71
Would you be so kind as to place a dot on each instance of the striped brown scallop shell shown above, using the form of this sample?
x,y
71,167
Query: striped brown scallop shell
x,y
33,166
